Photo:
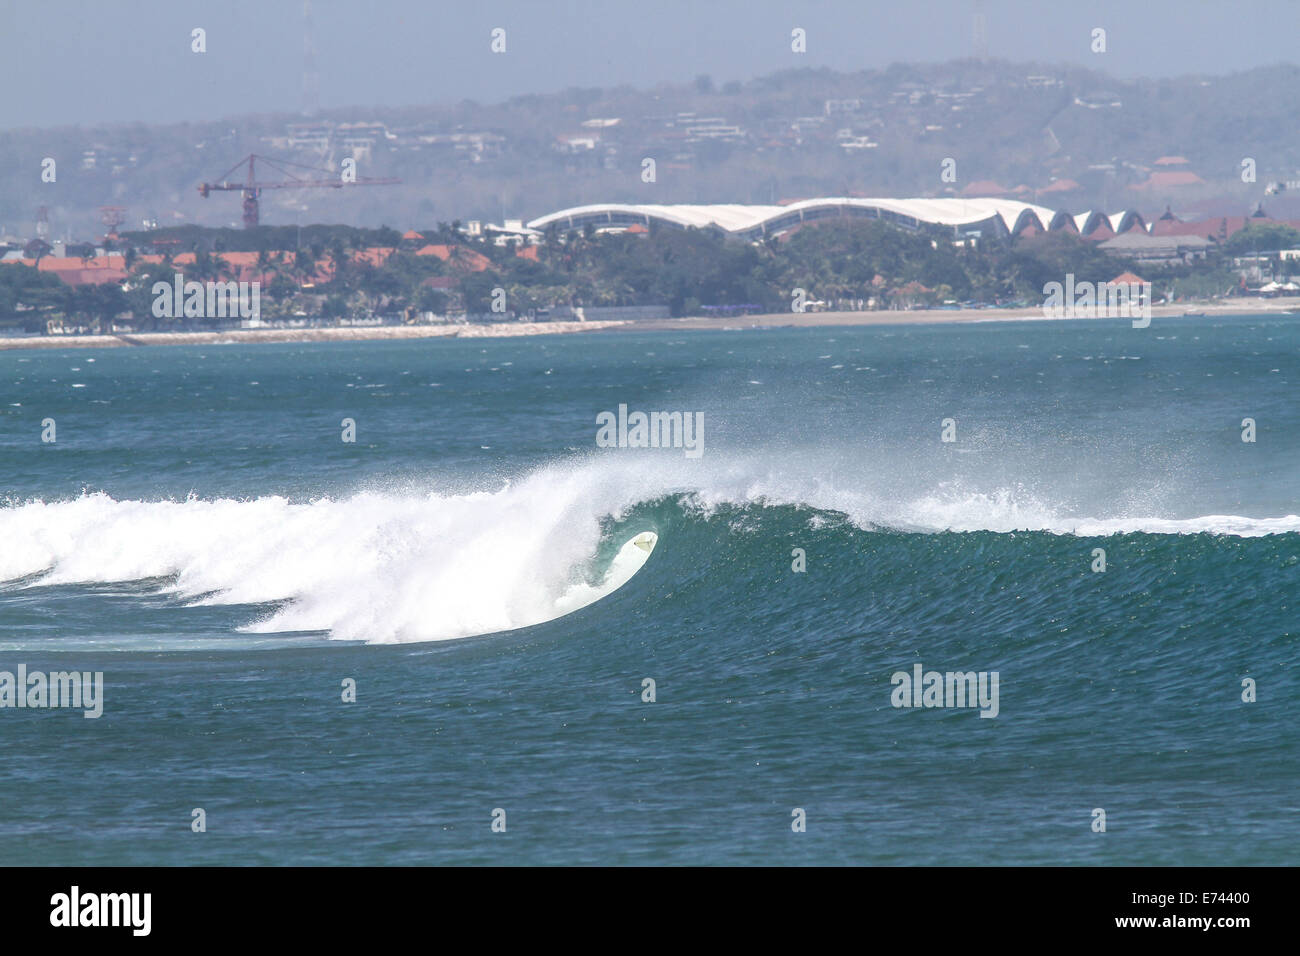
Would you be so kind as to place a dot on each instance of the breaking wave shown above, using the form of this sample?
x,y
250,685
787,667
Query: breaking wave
x,y
404,565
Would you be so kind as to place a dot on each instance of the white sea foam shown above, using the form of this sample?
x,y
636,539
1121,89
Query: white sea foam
x,y
397,567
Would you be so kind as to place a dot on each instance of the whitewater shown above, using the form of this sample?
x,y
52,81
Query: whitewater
x,y
407,565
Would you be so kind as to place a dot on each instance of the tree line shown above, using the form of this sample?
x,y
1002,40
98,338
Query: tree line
x,y
321,272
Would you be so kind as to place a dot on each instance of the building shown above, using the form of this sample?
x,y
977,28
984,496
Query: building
x,y
74,270
1217,228
959,217
1157,249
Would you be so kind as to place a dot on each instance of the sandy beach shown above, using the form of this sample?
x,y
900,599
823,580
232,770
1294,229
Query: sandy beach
x,y
342,334
1277,306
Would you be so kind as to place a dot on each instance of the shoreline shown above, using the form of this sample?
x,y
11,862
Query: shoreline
x,y
269,336
1280,306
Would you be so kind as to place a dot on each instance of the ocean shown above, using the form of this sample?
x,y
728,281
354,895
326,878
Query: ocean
x,y
199,532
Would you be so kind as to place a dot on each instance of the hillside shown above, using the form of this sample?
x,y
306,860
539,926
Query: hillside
x,y
1065,137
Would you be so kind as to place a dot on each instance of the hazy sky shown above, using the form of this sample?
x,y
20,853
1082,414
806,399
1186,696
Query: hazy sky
x,y
89,61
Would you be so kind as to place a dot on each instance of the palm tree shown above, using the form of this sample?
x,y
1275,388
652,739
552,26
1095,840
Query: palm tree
x,y
455,258
304,266
269,266
339,271
223,269
203,269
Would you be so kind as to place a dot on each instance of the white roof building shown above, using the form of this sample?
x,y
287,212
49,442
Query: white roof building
x,y
1002,216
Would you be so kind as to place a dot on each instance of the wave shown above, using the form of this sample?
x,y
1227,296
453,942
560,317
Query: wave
x,y
399,565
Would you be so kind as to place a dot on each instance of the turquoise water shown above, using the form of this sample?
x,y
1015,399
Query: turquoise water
x,y
199,532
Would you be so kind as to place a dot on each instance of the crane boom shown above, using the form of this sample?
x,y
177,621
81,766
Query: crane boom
x,y
251,188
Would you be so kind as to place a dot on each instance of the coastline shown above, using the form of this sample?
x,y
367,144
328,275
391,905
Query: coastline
x,y
267,336
1278,306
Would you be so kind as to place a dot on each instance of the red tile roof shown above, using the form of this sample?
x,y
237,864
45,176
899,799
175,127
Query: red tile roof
x,y
1216,227
237,266
75,270
474,261
372,255
1060,186
985,187
1167,180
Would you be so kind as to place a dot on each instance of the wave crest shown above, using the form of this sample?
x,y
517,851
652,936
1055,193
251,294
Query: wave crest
x,y
389,567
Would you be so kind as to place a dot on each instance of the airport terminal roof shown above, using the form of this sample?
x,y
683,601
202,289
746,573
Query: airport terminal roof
x,y
739,219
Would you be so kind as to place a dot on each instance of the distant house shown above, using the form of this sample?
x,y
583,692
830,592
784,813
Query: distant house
x,y
1060,186
234,266
372,255
1217,228
462,256
985,187
909,296
1127,278
74,270
577,142
1171,179
243,266
1145,248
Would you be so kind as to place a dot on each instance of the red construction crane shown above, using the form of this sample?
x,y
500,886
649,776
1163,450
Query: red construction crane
x,y
251,188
